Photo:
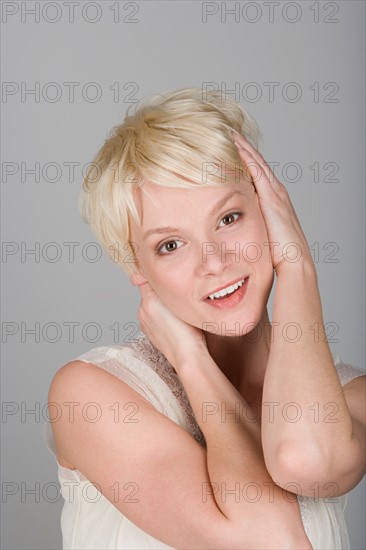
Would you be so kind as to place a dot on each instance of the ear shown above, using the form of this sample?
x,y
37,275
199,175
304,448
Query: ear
x,y
137,278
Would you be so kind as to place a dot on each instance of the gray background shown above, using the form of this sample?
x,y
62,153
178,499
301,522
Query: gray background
x,y
168,46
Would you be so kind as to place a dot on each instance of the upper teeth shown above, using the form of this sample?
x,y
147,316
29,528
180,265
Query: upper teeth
x,y
227,290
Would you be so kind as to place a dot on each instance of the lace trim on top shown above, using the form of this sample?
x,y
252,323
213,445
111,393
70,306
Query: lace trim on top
x,y
305,511
149,353
346,371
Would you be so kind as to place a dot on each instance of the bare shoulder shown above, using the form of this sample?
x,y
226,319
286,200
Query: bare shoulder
x,y
116,438
76,375
148,466
71,388
79,380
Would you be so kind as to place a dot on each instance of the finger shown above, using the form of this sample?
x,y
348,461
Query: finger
x,y
144,287
143,329
243,144
144,290
241,141
260,179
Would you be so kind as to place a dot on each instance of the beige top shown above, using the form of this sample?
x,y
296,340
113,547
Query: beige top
x,y
90,521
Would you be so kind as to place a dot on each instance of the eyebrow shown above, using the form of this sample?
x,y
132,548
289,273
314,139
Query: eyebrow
x,y
218,206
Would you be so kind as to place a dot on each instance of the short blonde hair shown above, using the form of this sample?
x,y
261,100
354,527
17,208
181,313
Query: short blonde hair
x,y
171,139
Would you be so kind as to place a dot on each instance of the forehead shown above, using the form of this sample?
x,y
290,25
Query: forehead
x,y
152,200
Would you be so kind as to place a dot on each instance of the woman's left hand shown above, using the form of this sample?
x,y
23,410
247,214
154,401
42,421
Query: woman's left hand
x,y
288,244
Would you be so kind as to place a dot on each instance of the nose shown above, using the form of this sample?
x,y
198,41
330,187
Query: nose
x,y
217,257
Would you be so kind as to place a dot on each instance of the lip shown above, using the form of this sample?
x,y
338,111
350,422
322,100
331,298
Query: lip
x,y
231,301
224,286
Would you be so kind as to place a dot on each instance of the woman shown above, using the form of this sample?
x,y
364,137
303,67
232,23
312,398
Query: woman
x,y
219,429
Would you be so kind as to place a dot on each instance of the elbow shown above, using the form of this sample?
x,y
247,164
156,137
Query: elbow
x,y
299,470
318,472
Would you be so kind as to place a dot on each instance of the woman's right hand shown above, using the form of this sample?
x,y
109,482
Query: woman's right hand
x,y
175,338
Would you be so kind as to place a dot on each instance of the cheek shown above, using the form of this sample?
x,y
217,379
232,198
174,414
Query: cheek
x,y
150,265
167,283
253,237
173,287
258,216
262,263
260,229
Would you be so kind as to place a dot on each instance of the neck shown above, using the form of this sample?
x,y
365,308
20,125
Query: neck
x,y
243,359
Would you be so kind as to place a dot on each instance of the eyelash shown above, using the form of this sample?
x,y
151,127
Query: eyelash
x,y
160,246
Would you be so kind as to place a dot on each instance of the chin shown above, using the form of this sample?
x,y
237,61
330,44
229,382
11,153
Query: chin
x,y
232,325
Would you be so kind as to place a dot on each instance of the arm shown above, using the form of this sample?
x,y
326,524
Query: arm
x,y
312,431
326,443
235,459
171,472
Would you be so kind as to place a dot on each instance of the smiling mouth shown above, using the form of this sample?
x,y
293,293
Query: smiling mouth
x,y
226,291
232,299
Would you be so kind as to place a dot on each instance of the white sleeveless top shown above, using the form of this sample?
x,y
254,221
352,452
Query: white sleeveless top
x,y
90,521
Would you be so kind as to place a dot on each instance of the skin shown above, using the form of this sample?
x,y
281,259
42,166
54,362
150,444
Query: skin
x,y
243,358
173,316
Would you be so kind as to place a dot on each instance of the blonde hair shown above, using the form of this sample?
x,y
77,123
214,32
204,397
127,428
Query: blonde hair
x,y
168,140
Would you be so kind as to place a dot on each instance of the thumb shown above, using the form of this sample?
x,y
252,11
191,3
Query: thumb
x,y
145,288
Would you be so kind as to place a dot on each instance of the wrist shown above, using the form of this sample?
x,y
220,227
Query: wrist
x,y
192,357
192,360
303,266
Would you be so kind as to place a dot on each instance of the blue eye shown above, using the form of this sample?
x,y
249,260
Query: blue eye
x,y
165,243
231,214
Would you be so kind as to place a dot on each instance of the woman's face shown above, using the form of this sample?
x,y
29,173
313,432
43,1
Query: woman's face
x,y
192,242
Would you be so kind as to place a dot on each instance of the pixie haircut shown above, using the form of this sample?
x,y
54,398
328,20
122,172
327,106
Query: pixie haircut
x,y
180,138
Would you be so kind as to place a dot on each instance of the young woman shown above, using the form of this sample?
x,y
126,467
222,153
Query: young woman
x,y
217,428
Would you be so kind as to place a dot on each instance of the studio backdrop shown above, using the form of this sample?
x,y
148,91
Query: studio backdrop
x,y
70,70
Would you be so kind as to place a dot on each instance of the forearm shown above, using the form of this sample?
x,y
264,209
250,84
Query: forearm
x,y
235,460
306,425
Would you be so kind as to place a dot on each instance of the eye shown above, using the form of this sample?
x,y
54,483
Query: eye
x,y
169,249
230,215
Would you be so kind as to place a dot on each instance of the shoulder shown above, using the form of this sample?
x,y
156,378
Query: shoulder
x,y
84,397
110,381
87,375
89,363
